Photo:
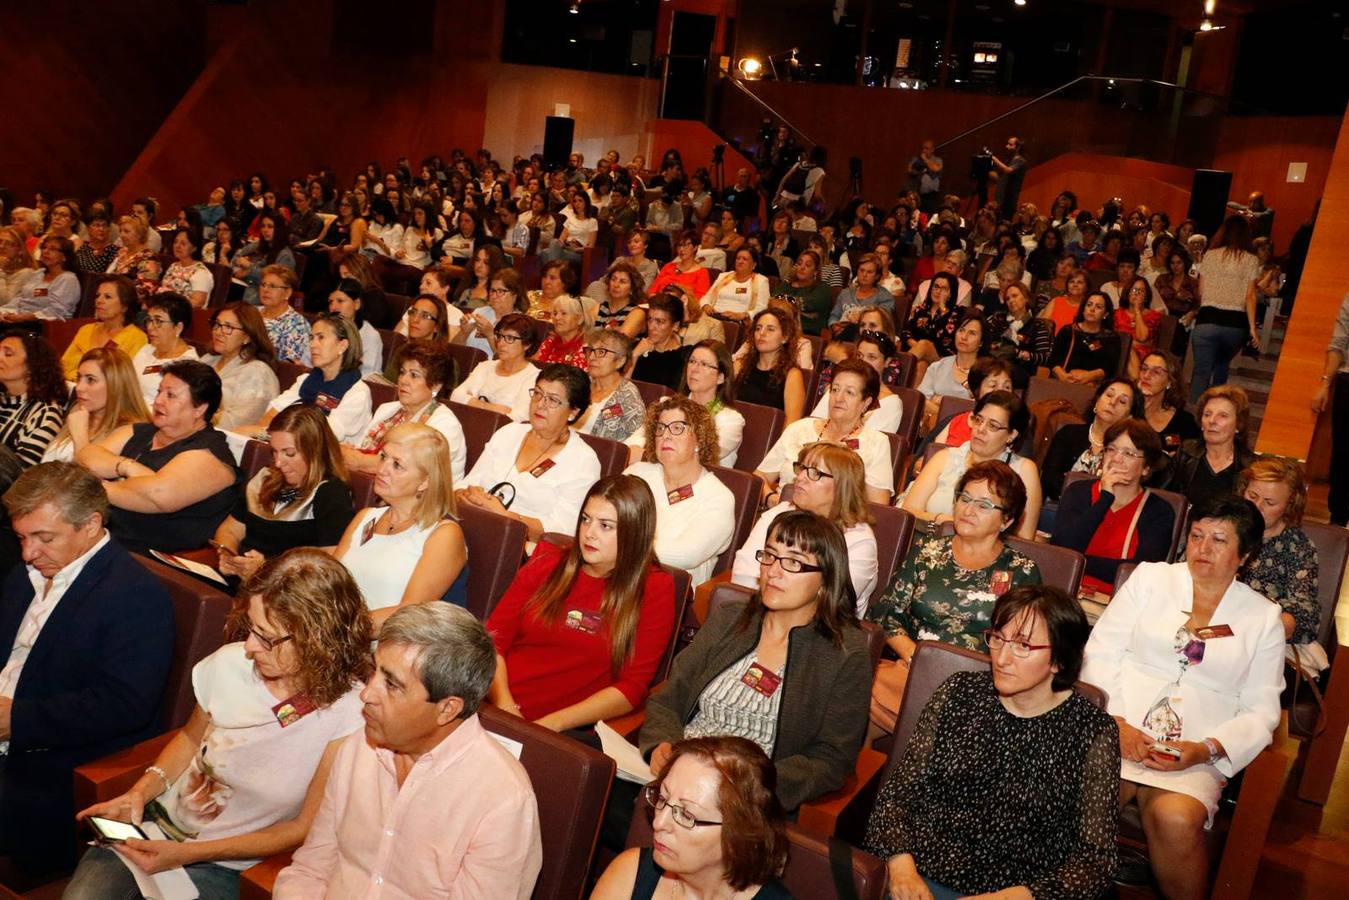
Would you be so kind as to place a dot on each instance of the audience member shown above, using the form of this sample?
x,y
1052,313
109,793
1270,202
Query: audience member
x,y
242,357
1088,351
136,260
684,269
115,310
565,342
987,375
334,384
504,384
660,355
1209,465
740,293
187,275
167,316
287,329
768,374
708,380
616,408
1080,446
1286,570
107,397
345,301
1163,388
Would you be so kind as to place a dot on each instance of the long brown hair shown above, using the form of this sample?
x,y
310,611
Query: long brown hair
x,y
259,344
836,602
319,447
786,360
125,404
624,586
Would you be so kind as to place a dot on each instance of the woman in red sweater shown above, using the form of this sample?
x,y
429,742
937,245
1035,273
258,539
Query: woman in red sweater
x,y
580,632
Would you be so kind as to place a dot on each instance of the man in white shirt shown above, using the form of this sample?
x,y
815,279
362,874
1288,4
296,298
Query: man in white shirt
x,y
89,634
424,802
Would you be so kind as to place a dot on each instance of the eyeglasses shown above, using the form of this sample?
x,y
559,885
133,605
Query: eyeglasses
x,y
1122,451
157,321
988,424
678,429
599,352
551,401
422,314
981,503
497,290
814,473
1020,649
681,816
704,365
1153,370
789,564
226,327
268,643
273,286
507,338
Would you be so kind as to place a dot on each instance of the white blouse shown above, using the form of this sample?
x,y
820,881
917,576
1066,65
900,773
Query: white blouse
x,y
512,391
872,446
383,564
553,496
247,388
887,415
690,533
148,367
728,295
348,420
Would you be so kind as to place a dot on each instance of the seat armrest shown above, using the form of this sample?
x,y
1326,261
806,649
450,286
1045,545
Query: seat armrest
x,y
114,775
702,595
1323,750
256,882
827,814
1262,784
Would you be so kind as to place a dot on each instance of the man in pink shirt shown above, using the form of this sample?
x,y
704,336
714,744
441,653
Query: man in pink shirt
x,y
423,803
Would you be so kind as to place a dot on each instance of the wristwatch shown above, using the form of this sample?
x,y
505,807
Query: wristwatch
x,y
1215,753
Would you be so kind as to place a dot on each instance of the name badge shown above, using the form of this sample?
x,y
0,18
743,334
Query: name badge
x,y
1172,442
369,531
326,402
1094,346
852,443
742,290
584,622
542,467
288,712
612,412
761,679
40,292
152,370
1209,632
1001,582
679,494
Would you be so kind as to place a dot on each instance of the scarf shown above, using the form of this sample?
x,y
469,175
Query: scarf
x,y
327,394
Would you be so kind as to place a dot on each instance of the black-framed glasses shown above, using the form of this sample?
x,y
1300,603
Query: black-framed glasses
x,y
678,429
156,321
1020,649
499,290
981,503
789,564
694,361
226,327
814,473
422,314
681,816
507,338
599,352
268,643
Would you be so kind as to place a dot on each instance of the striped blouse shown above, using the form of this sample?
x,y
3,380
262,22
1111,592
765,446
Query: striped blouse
x,y
28,426
730,707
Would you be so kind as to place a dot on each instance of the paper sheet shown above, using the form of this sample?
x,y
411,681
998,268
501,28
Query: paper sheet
x,y
195,568
631,766
172,884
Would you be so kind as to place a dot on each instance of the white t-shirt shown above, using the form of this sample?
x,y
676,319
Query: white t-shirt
x,y
863,564
382,564
249,772
483,383
148,368
872,446
348,420
690,533
554,495
583,231
711,257
885,417
728,295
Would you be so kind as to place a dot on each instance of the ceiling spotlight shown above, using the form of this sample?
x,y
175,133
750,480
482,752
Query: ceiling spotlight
x,y
575,8
1209,6
751,68
1019,2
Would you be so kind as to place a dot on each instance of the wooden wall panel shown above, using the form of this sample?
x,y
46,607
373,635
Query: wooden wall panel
x,y
1093,177
1289,424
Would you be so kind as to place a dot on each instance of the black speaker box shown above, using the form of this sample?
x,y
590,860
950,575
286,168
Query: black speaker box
x,y
558,132
1208,199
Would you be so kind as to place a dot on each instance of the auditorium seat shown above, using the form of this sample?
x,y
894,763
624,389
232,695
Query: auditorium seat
x,y
914,403
650,392
731,331
1041,388
1322,751
391,342
381,393
479,425
613,455
288,373
747,489
363,491
465,358
495,546
763,427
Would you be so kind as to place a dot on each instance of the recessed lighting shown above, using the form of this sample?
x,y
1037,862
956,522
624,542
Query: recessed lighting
x,y
571,40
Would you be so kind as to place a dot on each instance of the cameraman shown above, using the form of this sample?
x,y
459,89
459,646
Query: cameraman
x,y
1010,174
803,181
925,177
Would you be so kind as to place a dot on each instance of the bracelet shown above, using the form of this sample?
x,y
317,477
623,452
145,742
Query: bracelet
x,y
1214,753
162,776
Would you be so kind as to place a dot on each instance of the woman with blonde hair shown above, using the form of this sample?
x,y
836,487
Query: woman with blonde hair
x,y
1286,569
16,263
412,549
135,260
581,631
301,500
107,396
566,342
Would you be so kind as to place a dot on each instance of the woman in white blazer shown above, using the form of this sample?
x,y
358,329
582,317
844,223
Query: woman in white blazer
x,y
1192,663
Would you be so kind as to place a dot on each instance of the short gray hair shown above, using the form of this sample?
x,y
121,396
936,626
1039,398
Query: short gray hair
x,y
75,492
457,658
613,339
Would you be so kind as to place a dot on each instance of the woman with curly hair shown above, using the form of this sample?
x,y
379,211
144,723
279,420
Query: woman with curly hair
x,y
695,512
767,374
32,404
243,779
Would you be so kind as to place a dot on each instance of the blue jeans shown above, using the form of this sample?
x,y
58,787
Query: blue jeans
x,y
1214,347
103,876
941,891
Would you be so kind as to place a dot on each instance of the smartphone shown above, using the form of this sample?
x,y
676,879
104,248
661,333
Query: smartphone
x,y
112,831
1164,750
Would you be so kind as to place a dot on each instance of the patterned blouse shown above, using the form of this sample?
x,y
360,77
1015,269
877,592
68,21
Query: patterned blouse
x,y
142,267
290,336
1286,572
939,328
932,598
555,350
28,426
95,262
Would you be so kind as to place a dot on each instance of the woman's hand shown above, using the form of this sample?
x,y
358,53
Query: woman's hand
x,y
78,421
905,882
129,807
659,757
1192,753
1321,398
1112,477
243,565
158,856
1134,745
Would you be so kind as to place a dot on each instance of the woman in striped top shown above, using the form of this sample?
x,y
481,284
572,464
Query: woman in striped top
x,y
32,404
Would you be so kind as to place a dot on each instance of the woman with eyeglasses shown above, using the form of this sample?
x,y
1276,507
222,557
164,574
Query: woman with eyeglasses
x,y
851,393
946,587
565,343
1079,446
334,383
716,826
996,425
987,375
709,381
411,549
243,779
684,269
787,669
539,470
503,384
302,499
695,512
345,301
830,481
1162,384
582,629
616,407
930,332
438,283
423,371
1037,822
1191,660
287,328
107,396
505,295
1115,519
243,358
115,309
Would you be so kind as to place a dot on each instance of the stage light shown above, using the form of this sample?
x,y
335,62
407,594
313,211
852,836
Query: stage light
x,y
1209,6
1019,2
751,68
575,8
1206,25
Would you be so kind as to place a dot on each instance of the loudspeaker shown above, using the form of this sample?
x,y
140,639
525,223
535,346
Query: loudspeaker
x,y
1208,199
558,132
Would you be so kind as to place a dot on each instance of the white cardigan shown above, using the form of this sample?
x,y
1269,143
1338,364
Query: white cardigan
x,y
1232,695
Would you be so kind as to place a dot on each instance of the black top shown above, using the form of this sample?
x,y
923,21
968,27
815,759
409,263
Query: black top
x,y
1192,476
1181,428
662,367
755,387
1064,449
1076,349
986,800
649,874
326,516
1078,517
190,527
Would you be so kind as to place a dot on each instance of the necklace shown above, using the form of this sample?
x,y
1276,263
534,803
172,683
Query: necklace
x,y
560,439
390,523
